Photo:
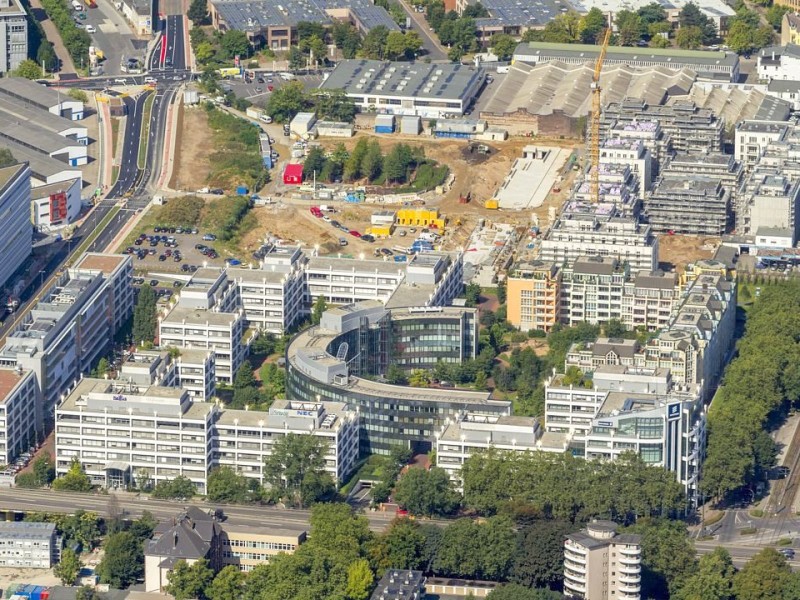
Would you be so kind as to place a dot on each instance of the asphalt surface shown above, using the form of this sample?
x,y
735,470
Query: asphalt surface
x,y
419,23
66,502
113,36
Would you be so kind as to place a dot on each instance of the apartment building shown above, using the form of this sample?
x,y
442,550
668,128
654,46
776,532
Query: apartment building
x,y
13,35
597,230
194,535
688,204
20,400
29,545
752,137
690,128
778,62
722,167
770,199
16,236
124,434
533,296
647,131
600,564
243,439
71,326
632,153
466,434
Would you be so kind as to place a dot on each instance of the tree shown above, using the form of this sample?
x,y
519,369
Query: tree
x,y
352,167
764,577
296,468
44,470
315,48
539,556
374,44
198,11
314,163
476,550
286,101
144,316
403,545
6,158
359,580
86,593
689,38
652,13
419,378
320,306
593,24
81,528
29,69
629,27
668,557
226,485
503,45
426,492
75,480
740,37
713,579
227,585
774,15
180,487
395,375
692,16
472,294
234,43
189,581
346,38
46,56
123,562
564,28
614,328
68,567
372,164
763,36
335,105
143,527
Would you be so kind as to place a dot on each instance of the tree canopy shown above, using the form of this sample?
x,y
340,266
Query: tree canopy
x,y
295,469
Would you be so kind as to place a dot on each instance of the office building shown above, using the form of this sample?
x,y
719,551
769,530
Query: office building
x,y
464,435
16,237
125,434
29,545
346,357
71,326
430,91
44,169
194,535
195,372
720,66
55,205
592,230
13,35
600,564
20,428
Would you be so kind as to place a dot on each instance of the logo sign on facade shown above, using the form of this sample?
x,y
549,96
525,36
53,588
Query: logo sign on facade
x,y
120,398
605,424
673,411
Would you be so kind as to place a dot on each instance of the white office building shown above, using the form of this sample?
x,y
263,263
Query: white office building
x,y
55,205
124,434
19,402
13,35
16,235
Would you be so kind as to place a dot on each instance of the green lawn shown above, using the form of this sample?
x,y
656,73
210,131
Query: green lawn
x,y
145,134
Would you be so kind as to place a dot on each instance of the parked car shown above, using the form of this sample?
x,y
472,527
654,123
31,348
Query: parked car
x,y
209,237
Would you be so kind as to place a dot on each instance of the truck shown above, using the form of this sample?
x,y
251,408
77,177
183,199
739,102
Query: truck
x,y
326,208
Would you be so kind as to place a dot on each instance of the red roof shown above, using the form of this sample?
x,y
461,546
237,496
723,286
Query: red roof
x,y
293,173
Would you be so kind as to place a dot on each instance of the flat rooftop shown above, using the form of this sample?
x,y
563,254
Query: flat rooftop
x,y
10,378
15,8
530,180
43,166
8,173
182,314
255,15
403,79
105,263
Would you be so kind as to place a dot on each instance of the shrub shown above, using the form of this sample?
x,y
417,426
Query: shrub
x,y
181,212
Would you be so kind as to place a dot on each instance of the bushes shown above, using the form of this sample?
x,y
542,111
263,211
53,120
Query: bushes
x,y
237,160
181,212
77,41
225,216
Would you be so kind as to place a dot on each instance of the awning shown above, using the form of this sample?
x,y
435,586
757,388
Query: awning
x,y
117,466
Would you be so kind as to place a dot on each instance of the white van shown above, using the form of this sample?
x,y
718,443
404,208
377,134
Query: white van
x,y
150,81
77,5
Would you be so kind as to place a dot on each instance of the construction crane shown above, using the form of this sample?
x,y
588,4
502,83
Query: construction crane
x,y
594,142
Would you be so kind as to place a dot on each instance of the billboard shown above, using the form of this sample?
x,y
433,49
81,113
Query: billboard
x,y
58,207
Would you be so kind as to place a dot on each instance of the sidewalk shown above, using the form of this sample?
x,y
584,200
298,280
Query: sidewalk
x,y
52,35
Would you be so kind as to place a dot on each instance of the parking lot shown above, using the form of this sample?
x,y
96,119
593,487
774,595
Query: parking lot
x,y
258,92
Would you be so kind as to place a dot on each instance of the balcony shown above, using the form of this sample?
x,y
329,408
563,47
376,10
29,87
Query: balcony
x,y
630,560
630,579
575,586
628,588
633,551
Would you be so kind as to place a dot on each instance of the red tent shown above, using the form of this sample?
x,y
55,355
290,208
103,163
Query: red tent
x,y
293,174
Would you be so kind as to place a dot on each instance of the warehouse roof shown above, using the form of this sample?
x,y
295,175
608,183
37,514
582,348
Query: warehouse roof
x,y
254,15
512,12
415,79
712,8
42,166
34,136
30,91
11,108
558,86
738,104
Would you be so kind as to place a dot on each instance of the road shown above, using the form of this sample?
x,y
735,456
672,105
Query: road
x,y
433,49
67,502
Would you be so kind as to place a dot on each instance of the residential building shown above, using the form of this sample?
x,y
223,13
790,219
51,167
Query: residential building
x,y
752,137
632,153
690,128
13,35
194,535
689,204
769,199
431,91
722,66
124,434
400,584
533,296
787,90
20,424
69,329
722,167
464,435
16,237
590,230
649,132
778,62
600,564
55,205
29,545
346,357
35,95
790,28
141,14
273,24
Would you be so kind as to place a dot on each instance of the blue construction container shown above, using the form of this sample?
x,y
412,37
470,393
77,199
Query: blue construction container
x,y
242,190
384,124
